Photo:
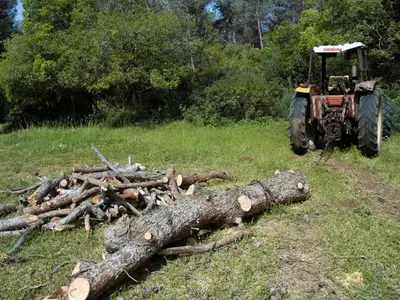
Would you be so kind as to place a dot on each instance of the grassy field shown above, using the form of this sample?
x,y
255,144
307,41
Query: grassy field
x,y
343,243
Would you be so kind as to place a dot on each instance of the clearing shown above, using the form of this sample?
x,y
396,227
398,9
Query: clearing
x,y
343,243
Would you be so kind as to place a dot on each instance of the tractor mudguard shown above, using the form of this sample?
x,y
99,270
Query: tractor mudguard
x,y
365,86
312,89
303,90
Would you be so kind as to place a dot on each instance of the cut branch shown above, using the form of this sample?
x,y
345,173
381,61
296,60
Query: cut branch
x,y
77,212
116,185
204,248
11,233
104,160
19,191
136,176
25,221
24,236
61,201
45,188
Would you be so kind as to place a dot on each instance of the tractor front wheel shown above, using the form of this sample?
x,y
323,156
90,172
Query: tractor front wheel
x,y
301,133
370,124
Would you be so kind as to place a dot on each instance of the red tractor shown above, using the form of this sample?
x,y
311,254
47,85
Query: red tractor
x,y
340,107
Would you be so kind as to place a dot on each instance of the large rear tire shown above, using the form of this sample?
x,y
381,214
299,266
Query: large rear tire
x,y
370,124
387,115
301,134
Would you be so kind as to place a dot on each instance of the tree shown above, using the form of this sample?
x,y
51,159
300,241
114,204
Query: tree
x,y
7,14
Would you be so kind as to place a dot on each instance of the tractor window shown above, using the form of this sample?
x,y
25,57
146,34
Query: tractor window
x,y
338,66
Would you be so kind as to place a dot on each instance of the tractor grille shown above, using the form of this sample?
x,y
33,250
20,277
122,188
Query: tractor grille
x,y
334,100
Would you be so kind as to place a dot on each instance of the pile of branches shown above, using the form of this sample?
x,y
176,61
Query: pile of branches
x,y
90,195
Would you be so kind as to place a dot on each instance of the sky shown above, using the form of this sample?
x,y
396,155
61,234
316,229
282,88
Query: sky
x,y
20,9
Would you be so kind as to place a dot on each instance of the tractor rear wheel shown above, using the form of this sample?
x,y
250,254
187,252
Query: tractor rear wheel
x,y
370,124
387,115
301,134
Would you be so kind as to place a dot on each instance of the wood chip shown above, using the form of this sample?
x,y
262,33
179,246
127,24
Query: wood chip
x,y
76,269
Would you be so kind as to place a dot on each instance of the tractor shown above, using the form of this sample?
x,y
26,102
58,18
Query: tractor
x,y
340,107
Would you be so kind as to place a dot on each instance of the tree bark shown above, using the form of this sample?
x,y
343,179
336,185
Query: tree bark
x,y
19,191
196,178
134,242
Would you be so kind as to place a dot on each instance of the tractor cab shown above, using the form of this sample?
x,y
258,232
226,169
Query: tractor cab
x,y
346,83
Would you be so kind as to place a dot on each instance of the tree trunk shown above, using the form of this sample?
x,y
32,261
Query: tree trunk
x,y
135,242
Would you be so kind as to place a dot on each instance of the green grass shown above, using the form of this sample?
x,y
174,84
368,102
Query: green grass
x,y
353,214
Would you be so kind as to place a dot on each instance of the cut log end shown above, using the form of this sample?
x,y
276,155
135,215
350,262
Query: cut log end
x,y
63,183
88,227
190,190
79,289
245,203
148,236
238,220
300,186
179,180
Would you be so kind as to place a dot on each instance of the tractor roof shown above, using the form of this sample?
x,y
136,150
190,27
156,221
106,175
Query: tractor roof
x,y
333,49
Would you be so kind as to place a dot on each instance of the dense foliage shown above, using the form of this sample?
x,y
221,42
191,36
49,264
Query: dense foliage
x,y
211,62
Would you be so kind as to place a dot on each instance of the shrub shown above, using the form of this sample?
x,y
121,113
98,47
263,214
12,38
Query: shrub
x,y
393,92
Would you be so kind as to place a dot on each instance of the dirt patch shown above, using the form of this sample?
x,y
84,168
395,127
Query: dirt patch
x,y
382,195
350,204
303,265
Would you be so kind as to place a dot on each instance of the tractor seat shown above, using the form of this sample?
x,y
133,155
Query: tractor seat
x,y
339,85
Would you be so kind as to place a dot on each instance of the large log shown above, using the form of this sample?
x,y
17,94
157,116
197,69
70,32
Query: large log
x,y
135,241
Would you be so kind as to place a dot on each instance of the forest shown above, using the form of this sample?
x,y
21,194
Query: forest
x,y
209,62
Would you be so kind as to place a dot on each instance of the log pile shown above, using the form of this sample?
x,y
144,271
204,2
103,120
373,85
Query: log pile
x,y
89,195
154,210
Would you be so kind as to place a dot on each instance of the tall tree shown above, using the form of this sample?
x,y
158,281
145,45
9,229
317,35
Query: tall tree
x,y
7,14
